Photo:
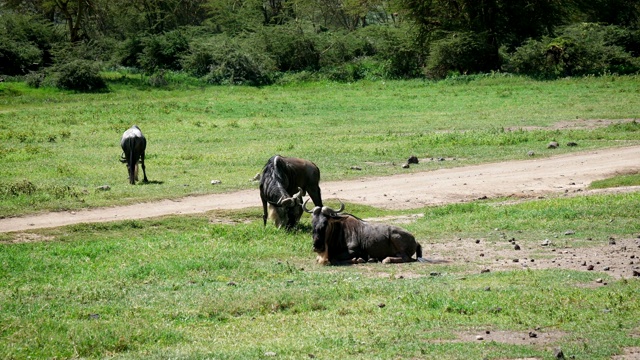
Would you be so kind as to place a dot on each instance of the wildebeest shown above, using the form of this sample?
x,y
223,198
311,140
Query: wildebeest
x,y
283,183
133,145
341,238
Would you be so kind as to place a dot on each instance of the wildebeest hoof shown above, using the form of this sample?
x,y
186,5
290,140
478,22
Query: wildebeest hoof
x,y
358,261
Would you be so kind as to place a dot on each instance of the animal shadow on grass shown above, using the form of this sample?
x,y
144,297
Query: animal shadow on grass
x,y
302,228
151,182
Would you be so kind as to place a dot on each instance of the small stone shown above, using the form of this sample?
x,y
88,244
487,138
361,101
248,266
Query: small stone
x,y
405,166
477,241
381,305
558,354
270,354
516,260
571,143
590,267
412,160
599,280
532,334
216,182
606,268
104,188
531,153
612,241
481,254
488,288
356,168
231,283
546,242
552,145
516,247
569,232
479,337
484,271
636,273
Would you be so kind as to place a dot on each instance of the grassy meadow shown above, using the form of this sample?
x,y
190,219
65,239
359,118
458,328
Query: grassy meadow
x,y
193,287
190,288
58,147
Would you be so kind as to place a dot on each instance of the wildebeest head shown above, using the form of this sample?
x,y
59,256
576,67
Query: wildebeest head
x,y
320,221
287,210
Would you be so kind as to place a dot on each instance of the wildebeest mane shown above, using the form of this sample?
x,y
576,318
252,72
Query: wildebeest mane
x,y
339,227
274,177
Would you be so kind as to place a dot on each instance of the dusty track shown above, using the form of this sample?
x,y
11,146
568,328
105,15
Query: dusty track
x,y
533,177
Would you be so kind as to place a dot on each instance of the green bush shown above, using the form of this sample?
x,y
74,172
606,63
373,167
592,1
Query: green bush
x,y
394,48
25,43
338,48
163,52
128,51
582,49
225,60
79,75
463,53
290,47
17,58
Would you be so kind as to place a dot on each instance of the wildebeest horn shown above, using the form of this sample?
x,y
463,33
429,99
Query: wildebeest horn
x,y
299,194
304,207
330,212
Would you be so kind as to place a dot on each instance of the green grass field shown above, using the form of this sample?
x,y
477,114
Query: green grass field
x,y
191,288
57,147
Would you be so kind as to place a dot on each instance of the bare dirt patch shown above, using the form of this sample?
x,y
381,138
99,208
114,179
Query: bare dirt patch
x,y
619,258
19,238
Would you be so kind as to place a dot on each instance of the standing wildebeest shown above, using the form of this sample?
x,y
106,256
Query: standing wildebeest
x,y
283,183
345,239
133,145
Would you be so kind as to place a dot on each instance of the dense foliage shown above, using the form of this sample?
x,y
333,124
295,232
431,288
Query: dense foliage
x,y
256,42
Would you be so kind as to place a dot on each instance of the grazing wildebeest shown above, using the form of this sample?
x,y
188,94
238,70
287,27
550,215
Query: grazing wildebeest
x,y
283,183
341,238
133,145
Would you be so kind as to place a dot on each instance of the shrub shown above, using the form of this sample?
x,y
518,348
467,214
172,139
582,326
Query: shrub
x,y
394,48
25,43
163,52
79,75
464,53
17,58
224,60
337,48
291,48
582,49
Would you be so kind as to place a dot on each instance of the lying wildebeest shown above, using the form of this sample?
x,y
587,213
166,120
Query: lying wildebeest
x,y
345,239
283,183
133,145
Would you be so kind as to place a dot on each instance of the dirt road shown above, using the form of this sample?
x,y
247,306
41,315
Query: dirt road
x,y
527,178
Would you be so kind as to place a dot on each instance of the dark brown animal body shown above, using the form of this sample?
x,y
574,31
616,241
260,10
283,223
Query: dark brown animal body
x,y
133,145
340,238
283,183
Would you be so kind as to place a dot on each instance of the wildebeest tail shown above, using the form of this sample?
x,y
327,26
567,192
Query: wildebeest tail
x,y
131,164
419,257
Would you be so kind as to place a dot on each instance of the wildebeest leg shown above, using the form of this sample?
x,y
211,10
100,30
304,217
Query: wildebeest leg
x,y
144,170
396,259
315,196
403,247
